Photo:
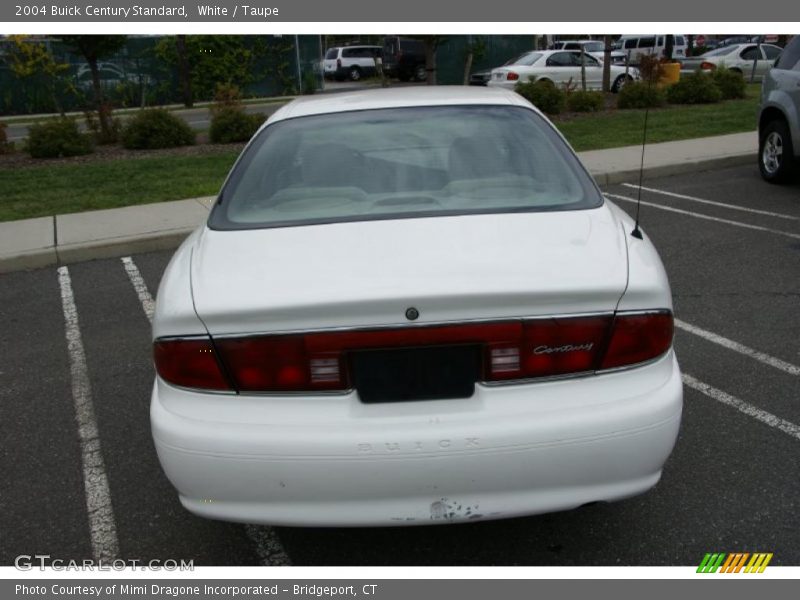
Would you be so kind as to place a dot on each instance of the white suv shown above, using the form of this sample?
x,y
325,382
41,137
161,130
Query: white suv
x,y
350,62
779,118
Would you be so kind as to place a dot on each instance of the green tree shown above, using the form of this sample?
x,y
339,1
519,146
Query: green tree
x,y
212,59
431,44
94,48
184,70
606,63
29,59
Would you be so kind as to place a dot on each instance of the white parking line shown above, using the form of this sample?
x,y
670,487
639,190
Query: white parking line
x,y
140,286
713,203
102,527
742,406
707,217
268,546
737,347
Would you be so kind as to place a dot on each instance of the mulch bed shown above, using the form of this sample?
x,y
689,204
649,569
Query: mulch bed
x,y
22,160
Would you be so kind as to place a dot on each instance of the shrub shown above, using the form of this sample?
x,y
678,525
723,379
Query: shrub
x,y
639,94
156,128
586,101
730,83
309,82
57,137
6,147
543,95
649,68
226,95
697,88
232,124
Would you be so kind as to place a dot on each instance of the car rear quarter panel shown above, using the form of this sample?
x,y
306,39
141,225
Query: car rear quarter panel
x,y
174,313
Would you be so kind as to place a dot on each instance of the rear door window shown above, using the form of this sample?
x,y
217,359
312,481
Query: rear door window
x,y
561,59
771,52
749,53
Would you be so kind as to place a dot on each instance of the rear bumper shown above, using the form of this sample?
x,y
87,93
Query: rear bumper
x,y
507,451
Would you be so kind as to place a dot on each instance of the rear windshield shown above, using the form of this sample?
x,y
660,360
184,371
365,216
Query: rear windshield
x,y
330,54
402,163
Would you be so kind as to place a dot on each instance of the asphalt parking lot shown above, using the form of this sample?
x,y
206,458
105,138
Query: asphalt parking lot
x,y
731,246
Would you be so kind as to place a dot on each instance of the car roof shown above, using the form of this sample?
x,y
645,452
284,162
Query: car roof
x,y
440,95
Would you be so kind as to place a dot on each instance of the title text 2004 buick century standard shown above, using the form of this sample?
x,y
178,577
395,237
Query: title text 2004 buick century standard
x,y
409,307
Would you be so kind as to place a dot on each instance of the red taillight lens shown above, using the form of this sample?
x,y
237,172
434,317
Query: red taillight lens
x,y
511,76
548,347
281,363
518,349
338,63
707,66
638,338
189,363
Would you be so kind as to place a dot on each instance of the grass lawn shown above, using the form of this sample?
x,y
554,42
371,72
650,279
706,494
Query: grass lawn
x,y
59,189
63,188
624,128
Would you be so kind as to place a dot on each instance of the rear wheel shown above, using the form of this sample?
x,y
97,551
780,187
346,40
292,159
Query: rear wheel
x,y
620,82
420,73
355,74
775,152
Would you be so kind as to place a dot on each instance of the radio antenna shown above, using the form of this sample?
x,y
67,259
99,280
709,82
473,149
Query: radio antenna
x,y
651,73
637,233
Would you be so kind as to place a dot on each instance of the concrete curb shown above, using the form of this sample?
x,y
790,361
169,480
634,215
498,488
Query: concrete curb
x,y
734,160
168,239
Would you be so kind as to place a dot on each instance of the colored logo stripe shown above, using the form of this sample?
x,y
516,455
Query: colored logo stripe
x,y
734,562
758,563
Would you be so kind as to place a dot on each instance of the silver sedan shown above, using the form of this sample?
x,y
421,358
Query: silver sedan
x,y
739,57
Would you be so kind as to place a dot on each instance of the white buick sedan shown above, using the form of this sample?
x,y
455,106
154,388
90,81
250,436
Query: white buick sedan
x,y
560,67
412,307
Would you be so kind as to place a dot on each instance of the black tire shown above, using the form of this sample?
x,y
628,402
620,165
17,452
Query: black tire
x,y
354,74
420,73
776,152
620,82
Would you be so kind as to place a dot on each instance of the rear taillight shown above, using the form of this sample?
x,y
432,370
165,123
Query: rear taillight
x,y
190,363
338,63
511,350
638,338
511,76
707,66
548,347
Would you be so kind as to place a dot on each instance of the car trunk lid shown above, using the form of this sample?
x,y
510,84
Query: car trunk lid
x,y
448,269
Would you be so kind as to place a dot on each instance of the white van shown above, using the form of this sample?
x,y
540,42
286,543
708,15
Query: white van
x,y
350,62
638,45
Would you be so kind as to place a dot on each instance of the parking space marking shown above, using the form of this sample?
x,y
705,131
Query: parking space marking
x,y
140,286
795,236
713,203
742,406
737,347
102,527
268,547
